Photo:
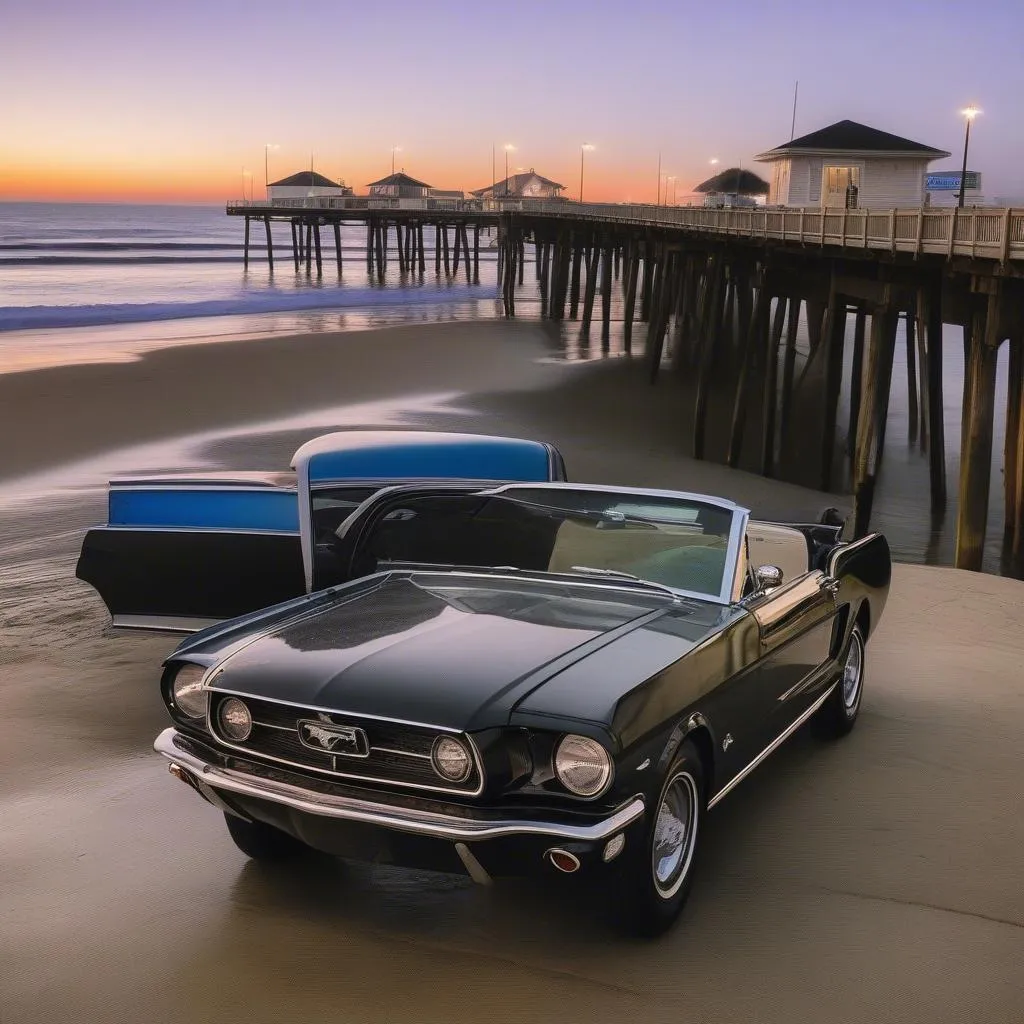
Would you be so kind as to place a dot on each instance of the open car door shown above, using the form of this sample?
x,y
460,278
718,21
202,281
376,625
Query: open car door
x,y
179,553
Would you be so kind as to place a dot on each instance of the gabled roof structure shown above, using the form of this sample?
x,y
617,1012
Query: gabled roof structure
x,y
514,182
852,137
401,179
306,179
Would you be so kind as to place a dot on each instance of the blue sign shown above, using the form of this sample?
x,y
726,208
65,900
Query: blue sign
x,y
949,181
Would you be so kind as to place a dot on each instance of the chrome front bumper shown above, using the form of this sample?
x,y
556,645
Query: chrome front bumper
x,y
208,778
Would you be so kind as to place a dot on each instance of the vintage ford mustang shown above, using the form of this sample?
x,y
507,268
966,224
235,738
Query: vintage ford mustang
x,y
529,676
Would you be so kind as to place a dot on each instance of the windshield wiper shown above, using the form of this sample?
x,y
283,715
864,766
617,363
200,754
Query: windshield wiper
x,y
591,570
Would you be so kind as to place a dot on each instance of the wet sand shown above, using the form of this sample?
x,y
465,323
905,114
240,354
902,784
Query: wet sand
x,y
874,879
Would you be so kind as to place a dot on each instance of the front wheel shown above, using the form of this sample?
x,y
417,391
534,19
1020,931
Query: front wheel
x,y
654,879
263,842
838,715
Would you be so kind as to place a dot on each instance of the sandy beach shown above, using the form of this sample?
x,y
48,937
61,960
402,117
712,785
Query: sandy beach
x,y
876,879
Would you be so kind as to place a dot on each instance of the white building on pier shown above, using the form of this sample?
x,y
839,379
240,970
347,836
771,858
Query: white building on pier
x,y
849,164
305,184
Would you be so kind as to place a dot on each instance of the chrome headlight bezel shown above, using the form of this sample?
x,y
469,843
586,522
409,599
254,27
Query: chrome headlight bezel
x,y
186,693
574,751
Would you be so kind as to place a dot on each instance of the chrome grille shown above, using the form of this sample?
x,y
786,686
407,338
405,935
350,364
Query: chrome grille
x,y
399,754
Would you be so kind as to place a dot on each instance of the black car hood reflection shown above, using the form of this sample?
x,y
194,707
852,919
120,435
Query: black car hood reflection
x,y
452,650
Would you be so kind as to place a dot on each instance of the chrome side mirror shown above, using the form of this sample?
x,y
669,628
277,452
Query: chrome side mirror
x,y
767,577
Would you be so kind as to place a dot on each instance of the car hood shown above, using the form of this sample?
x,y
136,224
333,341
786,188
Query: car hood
x,y
446,649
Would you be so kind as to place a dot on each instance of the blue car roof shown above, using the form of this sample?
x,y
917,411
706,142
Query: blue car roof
x,y
423,454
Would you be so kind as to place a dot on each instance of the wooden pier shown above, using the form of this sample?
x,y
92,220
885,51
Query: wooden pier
x,y
726,289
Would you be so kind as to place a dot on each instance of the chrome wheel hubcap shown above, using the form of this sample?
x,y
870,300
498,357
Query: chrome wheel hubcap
x,y
852,672
674,834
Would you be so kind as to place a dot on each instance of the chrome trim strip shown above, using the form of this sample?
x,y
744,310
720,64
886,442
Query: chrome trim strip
x,y
332,772
305,520
775,743
569,485
427,823
399,753
830,667
162,623
198,529
201,485
333,711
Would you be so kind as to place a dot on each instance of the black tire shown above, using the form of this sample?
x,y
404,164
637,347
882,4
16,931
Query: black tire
x,y
263,842
838,715
644,903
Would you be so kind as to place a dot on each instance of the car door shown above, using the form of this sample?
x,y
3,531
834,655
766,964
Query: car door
x,y
795,626
180,553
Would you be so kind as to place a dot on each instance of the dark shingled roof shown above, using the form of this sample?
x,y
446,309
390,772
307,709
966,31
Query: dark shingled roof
x,y
399,178
850,135
307,179
736,182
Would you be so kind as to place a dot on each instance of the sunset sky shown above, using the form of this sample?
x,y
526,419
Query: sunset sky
x,y
107,100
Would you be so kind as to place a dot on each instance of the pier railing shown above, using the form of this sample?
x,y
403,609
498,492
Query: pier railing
x,y
355,203
983,232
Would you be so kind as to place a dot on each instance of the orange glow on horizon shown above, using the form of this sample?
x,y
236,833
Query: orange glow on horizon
x,y
216,183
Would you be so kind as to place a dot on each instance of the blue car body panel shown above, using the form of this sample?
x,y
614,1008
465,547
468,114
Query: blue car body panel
x,y
422,455
204,508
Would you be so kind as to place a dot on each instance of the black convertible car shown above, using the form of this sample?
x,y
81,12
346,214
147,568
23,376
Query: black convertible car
x,y
529,676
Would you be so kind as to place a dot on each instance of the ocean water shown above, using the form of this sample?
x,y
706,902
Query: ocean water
x,y
86,282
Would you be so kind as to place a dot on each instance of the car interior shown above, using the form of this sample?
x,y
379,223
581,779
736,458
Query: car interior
x,y
685,548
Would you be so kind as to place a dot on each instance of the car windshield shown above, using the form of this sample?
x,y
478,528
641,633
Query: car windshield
x,y
683,543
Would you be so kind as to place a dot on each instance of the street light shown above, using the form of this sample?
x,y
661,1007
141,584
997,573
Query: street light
x,y
583,149
394,150
970,113
508,147
267,147
246,173
671,178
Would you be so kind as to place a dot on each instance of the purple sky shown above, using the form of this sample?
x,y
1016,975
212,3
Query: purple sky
x,y
125,99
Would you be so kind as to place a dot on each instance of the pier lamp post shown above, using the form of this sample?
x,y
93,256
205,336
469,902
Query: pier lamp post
x,y
508,148
970,113
246,174
394,150
671,178
267,147
583,150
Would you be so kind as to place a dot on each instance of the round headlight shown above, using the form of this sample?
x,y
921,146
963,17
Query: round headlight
x,y
235,720
451,759
582,765
187,691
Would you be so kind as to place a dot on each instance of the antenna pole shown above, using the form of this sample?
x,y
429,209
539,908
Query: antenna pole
x,y
792,127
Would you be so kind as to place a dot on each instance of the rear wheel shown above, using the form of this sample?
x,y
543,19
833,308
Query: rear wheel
x,y
654,878
263,842
838,715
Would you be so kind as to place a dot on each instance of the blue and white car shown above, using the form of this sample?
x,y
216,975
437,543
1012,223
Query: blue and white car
x,y
182,552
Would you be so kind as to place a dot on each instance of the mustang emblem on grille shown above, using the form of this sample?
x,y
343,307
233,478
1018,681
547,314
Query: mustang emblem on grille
x,y
334,739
